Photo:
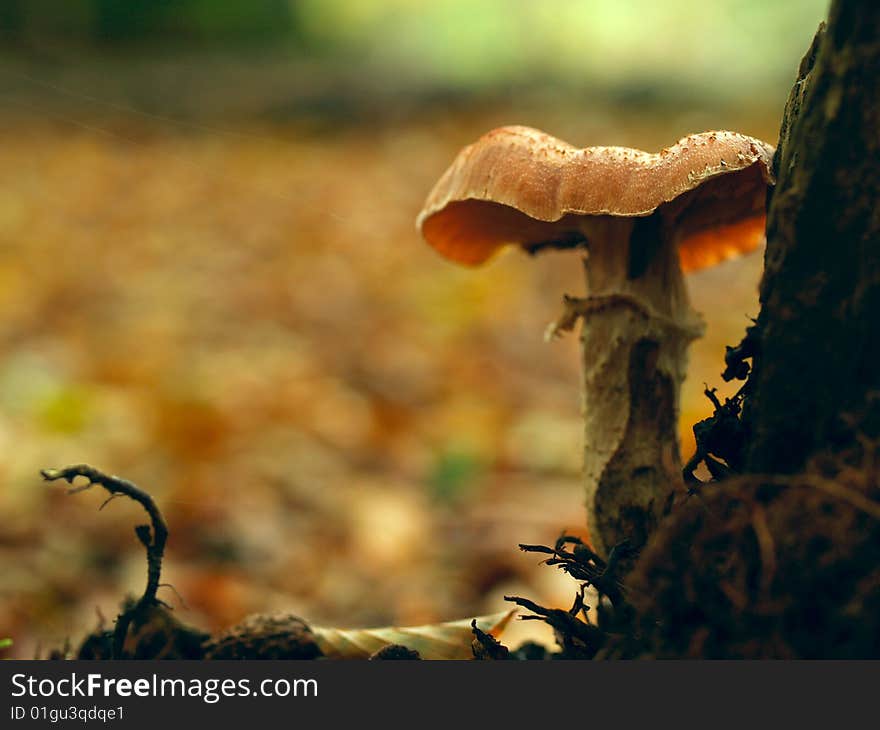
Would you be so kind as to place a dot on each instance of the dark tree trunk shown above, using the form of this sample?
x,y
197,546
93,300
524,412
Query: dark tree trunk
x,y
816,371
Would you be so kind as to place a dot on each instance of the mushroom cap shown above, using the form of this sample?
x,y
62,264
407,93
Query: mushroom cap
x,y
517,185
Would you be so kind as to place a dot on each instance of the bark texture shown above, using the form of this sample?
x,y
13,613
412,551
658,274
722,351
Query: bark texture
x,y
816,371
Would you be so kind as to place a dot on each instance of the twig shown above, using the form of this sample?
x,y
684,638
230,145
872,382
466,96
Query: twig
x,y
153,542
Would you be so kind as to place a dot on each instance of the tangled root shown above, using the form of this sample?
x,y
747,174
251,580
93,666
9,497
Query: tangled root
x,y
768,567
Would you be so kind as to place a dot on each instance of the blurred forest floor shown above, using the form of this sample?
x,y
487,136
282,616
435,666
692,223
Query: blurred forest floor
x,y
240,317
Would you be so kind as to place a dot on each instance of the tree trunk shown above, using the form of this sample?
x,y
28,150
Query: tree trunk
x,y
816,369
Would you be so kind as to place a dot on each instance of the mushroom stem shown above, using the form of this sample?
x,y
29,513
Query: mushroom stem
x,y
638,324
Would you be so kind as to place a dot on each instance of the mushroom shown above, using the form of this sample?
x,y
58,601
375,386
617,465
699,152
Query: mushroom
x,y
644,219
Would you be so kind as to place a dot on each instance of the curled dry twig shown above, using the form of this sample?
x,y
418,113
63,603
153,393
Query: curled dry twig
x,y
153,540
260,636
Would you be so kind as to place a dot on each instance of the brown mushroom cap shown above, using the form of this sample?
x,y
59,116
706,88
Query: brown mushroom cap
x,y
517,185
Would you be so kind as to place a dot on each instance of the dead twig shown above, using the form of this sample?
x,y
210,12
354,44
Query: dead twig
x,y
152,539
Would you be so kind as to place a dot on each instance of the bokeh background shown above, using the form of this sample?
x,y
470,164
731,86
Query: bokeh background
x,y
210,283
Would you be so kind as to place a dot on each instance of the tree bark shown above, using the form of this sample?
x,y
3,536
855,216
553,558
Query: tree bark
x,y
816,370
